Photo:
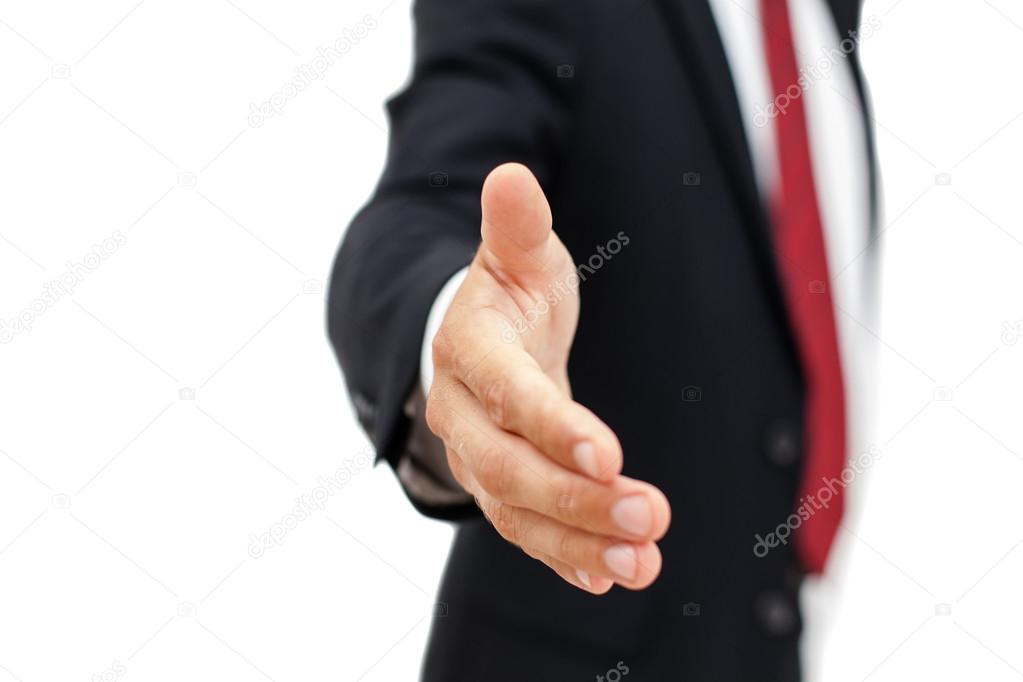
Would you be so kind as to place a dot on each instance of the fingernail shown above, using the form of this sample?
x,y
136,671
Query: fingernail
x,y
633,515
584,577
621,559
586,458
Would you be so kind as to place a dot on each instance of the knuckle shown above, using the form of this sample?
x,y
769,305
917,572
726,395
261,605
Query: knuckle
x,y
492,471
504,520
580,549
441,347
568,547
435,417
456,467
535,554
495,398
546,417
567,503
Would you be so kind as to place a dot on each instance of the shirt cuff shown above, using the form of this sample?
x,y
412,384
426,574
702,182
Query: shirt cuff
x,y
433,321
423,469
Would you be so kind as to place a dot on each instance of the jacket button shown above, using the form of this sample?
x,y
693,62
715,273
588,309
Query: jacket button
x,y
781,443
776,613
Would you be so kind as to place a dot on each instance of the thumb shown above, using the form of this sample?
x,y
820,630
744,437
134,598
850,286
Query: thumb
x,y
516,227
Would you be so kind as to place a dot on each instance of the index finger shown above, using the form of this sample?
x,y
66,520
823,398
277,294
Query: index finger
x,y
520,397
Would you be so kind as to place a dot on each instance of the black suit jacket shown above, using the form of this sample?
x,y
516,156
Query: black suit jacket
x,y
626,113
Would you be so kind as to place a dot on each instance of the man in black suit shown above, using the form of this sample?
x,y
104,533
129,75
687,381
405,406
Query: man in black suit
x,y
667,355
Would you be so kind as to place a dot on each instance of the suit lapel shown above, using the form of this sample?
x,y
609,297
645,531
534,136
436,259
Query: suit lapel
x,y
694,31
692,26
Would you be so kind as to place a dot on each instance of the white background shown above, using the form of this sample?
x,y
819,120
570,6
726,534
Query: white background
x,y
127,504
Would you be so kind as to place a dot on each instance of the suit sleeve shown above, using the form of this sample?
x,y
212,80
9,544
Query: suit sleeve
x,y
492,82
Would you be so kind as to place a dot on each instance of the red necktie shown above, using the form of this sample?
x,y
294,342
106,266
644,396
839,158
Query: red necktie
x,y
802,261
